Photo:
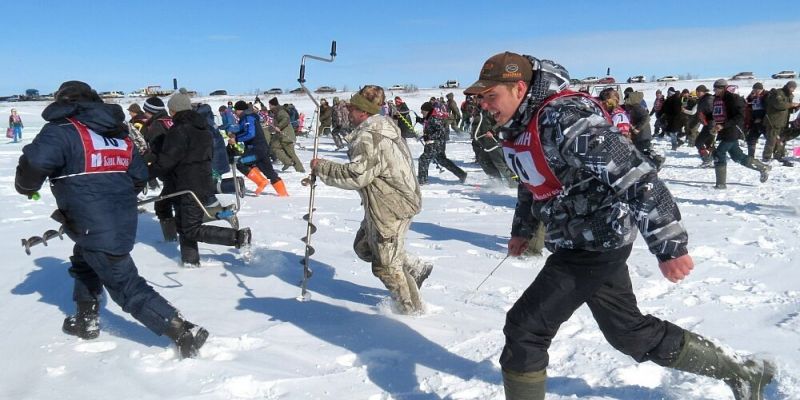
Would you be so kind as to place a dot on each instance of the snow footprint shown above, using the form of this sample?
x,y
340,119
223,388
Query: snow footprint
x,y
95,347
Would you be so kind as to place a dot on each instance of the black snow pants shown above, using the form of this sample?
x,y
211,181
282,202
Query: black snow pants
x,y
569,279
436,151
191,229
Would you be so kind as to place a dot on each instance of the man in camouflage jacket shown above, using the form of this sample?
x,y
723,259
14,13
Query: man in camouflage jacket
x,y
380,169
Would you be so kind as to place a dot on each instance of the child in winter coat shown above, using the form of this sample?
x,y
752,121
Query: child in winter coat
x,y
15,125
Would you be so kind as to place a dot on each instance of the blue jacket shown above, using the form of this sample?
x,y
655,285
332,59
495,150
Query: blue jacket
x,y
227,120
94,175
248,128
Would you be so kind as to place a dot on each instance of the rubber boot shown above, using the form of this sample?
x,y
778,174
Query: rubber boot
x,y
280,188
524,386
169,229
187,337
762,168
85,324
720,171
746,378
259,179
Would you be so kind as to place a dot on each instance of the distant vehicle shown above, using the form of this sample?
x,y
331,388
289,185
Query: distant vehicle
x,y
574,82
32,94
785,75
590,79
113,94
637,79
274,91
743,75
156,90
325,89
298,90
138,93
397,87
667,78
606,79
595,90
219,93
453,84
12,98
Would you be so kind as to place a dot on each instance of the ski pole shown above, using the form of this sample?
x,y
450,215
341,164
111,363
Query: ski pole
x,y
311,179
490,274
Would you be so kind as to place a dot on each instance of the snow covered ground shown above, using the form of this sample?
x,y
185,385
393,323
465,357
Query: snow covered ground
x,y
345,343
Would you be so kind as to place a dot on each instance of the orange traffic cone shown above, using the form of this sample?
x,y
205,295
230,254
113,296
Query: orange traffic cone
x,y
260,180
280,188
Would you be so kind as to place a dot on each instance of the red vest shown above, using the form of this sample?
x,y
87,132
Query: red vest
x,y
103,154
525,156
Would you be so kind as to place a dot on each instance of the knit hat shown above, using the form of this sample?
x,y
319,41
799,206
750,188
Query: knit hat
x,y
360,102
273,102
758,85
791,85
701,88
135,108
180,101
154,105
671,91
426,106
241,105
720,83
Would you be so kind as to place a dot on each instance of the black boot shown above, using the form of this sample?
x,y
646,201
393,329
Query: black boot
x,y
85,324
720,173
188,337
746,378
170,229
243,238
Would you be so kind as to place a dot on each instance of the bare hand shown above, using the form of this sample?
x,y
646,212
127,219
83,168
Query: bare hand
x,y
315,162
517,245
677,269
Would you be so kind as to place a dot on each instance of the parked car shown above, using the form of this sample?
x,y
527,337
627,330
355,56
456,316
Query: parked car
x,y
219,93
785,75
397,87
574,82
606,79
325,89
274,91
743,75
637,79
590,79
298,90
452,84
667,78
113,94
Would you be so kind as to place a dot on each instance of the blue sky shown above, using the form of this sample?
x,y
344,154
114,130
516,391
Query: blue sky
x,y
243,46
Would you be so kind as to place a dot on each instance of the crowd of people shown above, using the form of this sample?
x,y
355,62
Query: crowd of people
x,y
585,171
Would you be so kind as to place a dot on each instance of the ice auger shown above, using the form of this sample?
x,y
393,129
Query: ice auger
x,y
311,180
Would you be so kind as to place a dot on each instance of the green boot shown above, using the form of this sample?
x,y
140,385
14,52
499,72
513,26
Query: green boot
x,y
720,172
524,386
746,378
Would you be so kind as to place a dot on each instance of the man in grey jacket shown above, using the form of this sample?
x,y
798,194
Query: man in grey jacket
x,y
380,169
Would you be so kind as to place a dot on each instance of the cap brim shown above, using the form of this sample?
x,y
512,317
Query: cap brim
x,y
480,87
